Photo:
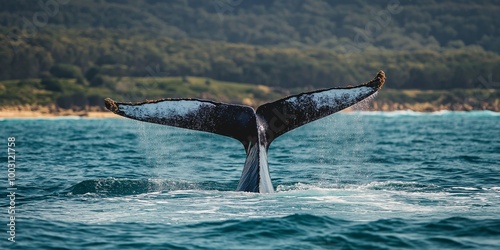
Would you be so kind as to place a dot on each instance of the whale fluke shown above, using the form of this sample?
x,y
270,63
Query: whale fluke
x,y
235,121
255,129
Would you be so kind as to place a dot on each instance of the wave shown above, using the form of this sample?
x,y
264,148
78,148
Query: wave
x,y
416,113
295,231
119,187
324,231
47,118
375,185
311,231
123,187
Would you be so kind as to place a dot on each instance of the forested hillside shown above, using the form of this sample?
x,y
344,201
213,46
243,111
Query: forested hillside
x,y
392,24
286,44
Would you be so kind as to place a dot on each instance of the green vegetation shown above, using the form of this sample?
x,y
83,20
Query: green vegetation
x,y
74,53
67,93
432,100
74,96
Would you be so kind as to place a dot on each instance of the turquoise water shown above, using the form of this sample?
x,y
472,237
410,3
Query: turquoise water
x,y
365,180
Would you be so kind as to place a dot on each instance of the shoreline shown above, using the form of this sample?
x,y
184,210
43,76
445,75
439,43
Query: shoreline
x,y
381,105
33,114
36,111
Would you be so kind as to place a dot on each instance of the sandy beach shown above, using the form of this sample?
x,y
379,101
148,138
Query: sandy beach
x,y
35,114
27,111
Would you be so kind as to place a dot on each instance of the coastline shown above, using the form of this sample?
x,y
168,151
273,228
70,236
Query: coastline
x,y
27,111
34,114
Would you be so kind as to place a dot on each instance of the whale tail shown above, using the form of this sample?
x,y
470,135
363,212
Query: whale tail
x,y
243,123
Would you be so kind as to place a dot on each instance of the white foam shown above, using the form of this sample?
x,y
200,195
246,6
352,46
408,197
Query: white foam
x,y
466,188
416,113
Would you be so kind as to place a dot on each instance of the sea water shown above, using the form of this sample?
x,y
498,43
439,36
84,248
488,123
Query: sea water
x,y
367,180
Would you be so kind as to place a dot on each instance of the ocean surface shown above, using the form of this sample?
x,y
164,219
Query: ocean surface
x,y
361,180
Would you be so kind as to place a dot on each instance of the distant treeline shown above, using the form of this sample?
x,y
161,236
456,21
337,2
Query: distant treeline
x,y
333,24
91,55
425,44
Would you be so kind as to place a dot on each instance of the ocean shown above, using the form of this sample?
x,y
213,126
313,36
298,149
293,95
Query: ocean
x,y
360,180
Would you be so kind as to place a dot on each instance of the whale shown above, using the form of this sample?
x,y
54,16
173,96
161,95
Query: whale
x,y
256,128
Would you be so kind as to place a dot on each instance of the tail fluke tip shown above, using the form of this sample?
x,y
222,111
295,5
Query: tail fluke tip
x,y
111,105
378,81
